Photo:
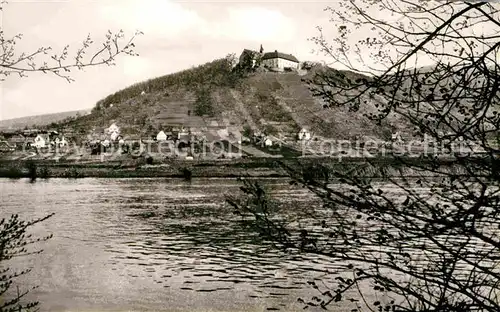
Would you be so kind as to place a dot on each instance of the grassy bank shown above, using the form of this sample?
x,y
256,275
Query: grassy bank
x,y
258,167
138,169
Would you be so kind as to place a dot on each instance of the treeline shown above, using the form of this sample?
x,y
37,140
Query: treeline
x,y
218,73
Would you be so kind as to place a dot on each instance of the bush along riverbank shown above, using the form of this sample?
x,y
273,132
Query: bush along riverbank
x,y
177,169
259,167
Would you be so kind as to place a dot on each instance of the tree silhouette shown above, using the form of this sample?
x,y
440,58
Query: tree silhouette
x,y
15,239
427,238
15,242
61,63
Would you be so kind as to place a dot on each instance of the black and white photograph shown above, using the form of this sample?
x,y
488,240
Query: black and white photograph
x,y
249,156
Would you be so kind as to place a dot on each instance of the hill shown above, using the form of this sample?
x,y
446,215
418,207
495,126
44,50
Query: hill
x,y
213,97
40,120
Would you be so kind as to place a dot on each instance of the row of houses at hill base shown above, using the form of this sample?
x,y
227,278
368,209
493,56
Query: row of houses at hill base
x,y
42,139
174,135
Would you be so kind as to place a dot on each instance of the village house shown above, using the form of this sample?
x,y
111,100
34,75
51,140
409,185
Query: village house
x,y
114,136
113,132
161,136
268,142
17,140
304,135
61,142
113,129
6,147
184,137
396,137
183,134
280,61
41,141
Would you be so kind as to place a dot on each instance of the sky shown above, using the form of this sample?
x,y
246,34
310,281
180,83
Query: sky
x,y
177,36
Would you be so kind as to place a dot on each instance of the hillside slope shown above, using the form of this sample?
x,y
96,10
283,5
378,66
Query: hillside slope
x,y
40,120
212,97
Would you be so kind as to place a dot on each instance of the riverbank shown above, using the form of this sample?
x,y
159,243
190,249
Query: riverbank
x,y
139,169
253,167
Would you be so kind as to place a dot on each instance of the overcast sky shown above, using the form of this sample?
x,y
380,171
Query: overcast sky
x,y
177,35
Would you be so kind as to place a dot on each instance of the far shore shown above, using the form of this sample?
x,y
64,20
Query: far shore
x,y
187,169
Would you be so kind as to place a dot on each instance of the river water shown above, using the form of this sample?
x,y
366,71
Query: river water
x,y
156,245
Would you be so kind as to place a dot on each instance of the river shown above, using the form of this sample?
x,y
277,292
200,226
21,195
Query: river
x,y
156,245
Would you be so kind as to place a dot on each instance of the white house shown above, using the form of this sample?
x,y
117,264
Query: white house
x,y
268,142
61,142
183,133
114,136
113,131
280,60
396,137
40,142
161,136
304,134
113,128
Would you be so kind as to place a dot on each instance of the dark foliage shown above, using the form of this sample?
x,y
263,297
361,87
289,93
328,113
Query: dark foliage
x,y
186,174
204,103
44,172
216,73
426,242
32,170
15,242
73,173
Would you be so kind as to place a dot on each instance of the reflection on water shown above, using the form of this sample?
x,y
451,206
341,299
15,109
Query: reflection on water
x,y
156,244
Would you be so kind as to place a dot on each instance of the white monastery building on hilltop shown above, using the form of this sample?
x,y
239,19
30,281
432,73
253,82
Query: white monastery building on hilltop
x,y
280,60
275,60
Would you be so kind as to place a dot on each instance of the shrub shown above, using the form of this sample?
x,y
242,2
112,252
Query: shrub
x,y
270,130
72,173
32,170
187,174
44,172
204,103
15,242
247,131
13,172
